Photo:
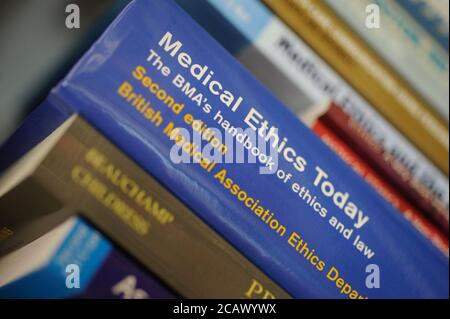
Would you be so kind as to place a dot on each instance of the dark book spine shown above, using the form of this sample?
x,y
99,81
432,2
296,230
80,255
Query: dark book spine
x,y
90,175
120,278
387,166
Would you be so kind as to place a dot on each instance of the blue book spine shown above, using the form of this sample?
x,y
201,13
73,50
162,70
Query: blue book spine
x,y
87,265
431,18
290,204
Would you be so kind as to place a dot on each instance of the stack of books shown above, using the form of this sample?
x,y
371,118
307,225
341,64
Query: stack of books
x,y
237,149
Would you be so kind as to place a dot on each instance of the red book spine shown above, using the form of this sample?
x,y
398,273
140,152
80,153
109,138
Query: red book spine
x,y
381,186
387,166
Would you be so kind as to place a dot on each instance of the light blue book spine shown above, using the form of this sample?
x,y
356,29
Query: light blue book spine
x,y
404,45
85,264
81,253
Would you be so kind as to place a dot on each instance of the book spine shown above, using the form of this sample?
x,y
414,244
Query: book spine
x,y
404,45
143,218
297,227
342,49
380,185
391,170
121,278
86,265
295,71
432,15
80,253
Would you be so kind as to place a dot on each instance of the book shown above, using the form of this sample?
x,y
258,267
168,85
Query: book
x,y
74,260
432,15
404,45
364,70
293,208
79,169
301,79
387,166
323,126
